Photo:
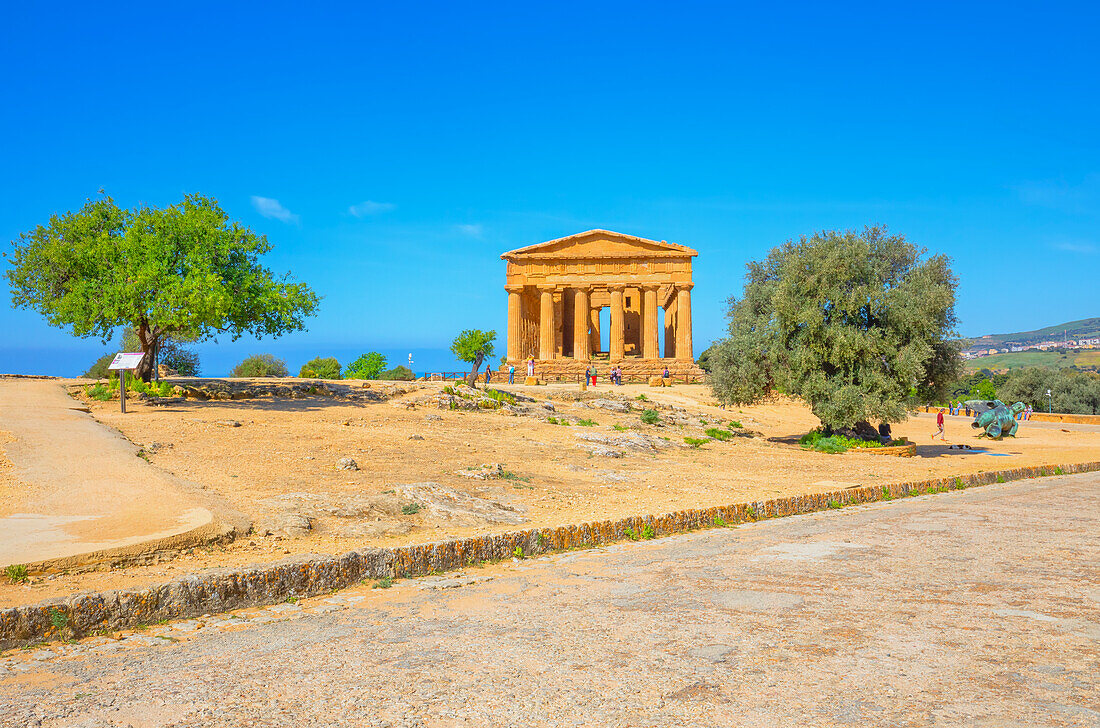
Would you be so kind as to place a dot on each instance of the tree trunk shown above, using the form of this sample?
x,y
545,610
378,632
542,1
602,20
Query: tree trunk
x,y
148,340
472,379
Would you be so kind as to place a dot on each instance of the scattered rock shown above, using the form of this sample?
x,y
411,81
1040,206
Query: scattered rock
x,y
548,406
416,437
227,423
432,418
634,441
461,508
152,447
613,405
346,464
286,525
484,472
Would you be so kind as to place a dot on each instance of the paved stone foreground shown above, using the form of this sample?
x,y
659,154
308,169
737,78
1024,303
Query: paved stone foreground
x,y
971,608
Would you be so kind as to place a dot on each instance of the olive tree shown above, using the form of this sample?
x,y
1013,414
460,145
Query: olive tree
x,y
473,346
184,271
857,324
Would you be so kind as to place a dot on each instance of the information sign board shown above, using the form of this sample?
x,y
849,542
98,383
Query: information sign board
x,y
126,361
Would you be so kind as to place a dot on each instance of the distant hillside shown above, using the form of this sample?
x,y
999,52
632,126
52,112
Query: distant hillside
x,y
1084,329
1086,359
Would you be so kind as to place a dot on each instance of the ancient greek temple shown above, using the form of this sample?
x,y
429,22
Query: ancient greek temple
x,y
602,297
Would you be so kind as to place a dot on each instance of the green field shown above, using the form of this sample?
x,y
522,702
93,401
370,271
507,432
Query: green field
x,y
1089,359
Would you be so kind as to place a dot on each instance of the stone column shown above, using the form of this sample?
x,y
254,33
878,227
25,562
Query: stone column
x,y
683,323
547,333
515,322
580,324
617,329
650,342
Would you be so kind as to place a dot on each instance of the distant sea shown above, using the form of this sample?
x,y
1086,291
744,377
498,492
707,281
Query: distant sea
x,y
217,360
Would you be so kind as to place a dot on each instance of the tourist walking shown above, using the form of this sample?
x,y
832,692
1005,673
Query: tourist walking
x,y
593,375
531,367
488,374
939,425
511,373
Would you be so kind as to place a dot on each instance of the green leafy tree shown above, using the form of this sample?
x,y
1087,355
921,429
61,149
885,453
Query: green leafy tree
x,y
184,271
260,365
368,366
983,390
321,368
854,323
473,346
1071,391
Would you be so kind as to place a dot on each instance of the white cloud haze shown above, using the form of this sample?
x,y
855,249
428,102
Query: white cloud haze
x,y
474,231
272,208
370,207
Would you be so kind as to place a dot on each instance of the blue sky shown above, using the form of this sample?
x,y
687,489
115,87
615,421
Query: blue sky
x,y
391,152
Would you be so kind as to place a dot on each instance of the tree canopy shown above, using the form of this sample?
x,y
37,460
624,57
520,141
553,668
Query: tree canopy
x,y
368,366
857,324
473,346
185,271
321,368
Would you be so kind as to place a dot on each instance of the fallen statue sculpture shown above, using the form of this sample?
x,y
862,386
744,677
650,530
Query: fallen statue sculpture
x,y
995,417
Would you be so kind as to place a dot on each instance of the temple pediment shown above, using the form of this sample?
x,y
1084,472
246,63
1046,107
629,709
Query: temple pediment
x,y
597,245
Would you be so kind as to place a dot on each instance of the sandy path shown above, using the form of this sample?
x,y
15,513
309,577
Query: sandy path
x,y
972,608
75,487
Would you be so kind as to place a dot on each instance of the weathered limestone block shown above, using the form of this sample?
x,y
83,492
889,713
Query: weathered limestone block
x,y
531,381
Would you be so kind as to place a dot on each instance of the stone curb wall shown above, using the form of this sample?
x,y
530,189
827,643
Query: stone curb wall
x,y
1042,417
219,590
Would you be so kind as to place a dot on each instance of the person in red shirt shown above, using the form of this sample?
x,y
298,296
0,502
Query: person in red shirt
x,y
939,425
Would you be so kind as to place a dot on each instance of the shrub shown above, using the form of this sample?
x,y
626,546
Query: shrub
x,y
647,532
321,368
260,365
818,440
735,424
586,423
650,416
619,428
98,369
499,396
98,392
16,573
399,373
410,509
368,366
696,442
719,434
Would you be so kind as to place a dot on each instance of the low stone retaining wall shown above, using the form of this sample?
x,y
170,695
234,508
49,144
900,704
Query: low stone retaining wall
x,y
220,590
1041,416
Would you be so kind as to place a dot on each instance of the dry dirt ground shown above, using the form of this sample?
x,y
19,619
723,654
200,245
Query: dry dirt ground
x,y
976,608
281,464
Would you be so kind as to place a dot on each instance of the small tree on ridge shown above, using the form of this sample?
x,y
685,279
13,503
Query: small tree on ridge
x,y
473,346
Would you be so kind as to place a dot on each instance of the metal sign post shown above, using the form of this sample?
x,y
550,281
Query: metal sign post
x,y
124,362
